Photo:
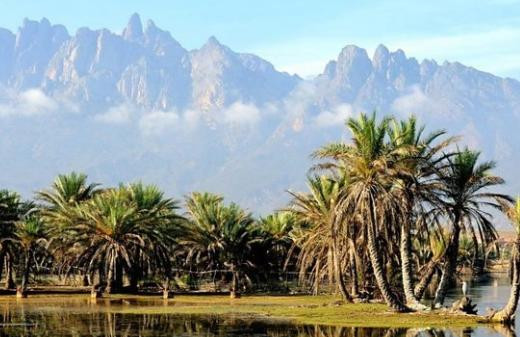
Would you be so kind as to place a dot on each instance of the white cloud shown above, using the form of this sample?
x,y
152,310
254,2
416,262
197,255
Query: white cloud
x,y
28,103
416,102
120,114
240,113
157,122
411,103
334,117
192,117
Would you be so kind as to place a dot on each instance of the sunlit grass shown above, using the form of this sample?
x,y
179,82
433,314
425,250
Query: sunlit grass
x,y
327,310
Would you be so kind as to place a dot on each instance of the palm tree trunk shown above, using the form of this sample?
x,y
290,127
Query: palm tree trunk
x,y
135,271
2,260
475,263
22,290
406,267
110,276
337,270
421,286
316,287
118,275
166,289
9,280
507,314
449,268
233,293
377,266
85,280
353,273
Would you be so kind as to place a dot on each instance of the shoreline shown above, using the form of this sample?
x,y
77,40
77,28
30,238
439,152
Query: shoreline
x,y
298,309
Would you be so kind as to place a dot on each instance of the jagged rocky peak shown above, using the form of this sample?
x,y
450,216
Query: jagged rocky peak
x,y
7,39
353,58
213,42
348,74
161,41
212,56
213,45
34,32
381,57
134,29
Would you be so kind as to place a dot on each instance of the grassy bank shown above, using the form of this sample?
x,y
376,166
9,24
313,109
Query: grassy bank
x,y
326,310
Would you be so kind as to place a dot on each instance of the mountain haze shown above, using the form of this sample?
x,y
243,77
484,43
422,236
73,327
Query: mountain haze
x,y
137,105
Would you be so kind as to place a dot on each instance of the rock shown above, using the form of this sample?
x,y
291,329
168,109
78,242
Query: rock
x,y
464,305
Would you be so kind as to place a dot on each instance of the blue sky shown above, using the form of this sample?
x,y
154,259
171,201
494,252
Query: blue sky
x,y
301,36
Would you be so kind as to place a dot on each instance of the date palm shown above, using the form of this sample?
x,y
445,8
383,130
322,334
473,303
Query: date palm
x,y
419,157
277,242
161,226
467,187
30,237
372,168
220,236
66,193
319,244
12,210
108,228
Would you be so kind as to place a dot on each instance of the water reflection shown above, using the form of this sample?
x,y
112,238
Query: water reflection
x,y
62,317
69,323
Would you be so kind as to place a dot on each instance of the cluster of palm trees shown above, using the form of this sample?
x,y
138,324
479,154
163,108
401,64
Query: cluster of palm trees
x,y
117,238
386,212
384,217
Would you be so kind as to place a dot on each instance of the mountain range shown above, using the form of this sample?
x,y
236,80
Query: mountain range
x,y
137,105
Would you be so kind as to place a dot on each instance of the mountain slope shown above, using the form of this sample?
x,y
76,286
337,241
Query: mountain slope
x,y
137,105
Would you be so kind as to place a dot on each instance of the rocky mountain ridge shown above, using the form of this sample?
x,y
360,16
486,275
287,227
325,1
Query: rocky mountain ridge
x,y
129,106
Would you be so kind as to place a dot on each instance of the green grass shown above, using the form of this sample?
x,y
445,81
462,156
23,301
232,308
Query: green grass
x,y
325,310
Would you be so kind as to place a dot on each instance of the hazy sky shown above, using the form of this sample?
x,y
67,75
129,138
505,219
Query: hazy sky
x,y
302,35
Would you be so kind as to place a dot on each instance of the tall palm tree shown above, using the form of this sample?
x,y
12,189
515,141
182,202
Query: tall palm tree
x,y
467,185
420,158
371,166
507,313
220,236
318,208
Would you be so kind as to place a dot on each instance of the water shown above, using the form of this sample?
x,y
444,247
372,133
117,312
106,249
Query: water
x,y
60,317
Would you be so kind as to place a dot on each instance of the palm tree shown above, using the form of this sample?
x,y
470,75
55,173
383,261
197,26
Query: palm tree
x,y
12,209
321,238
507,313
30,237
162,227
220,236
372,168
108,228
467,185
417,185
276,229
66,193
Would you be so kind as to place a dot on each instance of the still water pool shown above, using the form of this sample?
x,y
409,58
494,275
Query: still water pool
x,y
55,316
